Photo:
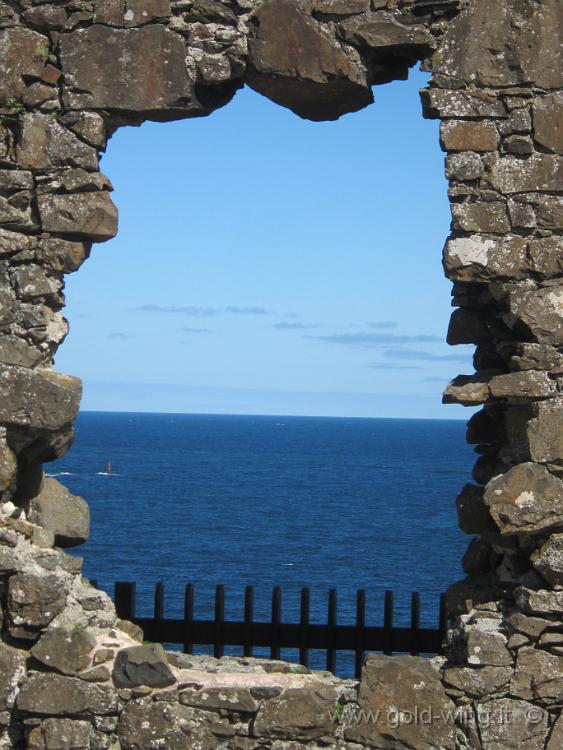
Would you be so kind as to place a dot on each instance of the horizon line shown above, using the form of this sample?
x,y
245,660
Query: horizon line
x,y
270,416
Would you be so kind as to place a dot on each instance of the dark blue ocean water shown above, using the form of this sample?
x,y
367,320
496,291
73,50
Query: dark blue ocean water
x,y
294,501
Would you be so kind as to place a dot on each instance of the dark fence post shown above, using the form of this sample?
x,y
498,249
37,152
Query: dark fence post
x,y
443,621
331,622
219,645
124,594
415,622
304,623
248,617
188,618
276,619
158,612
360,625
388,623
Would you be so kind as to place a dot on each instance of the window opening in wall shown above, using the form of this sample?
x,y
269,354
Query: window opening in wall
x,y
263,353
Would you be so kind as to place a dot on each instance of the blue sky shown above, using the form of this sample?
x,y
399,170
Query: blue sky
x,y
266,264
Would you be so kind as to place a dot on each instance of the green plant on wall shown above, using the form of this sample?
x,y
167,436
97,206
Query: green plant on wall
x,y
15,102
42,51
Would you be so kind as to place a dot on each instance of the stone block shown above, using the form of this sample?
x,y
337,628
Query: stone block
x,y
303,69
530,384
126,70
538,675
468,135
66,650
473,513
220,698
383,34
444,104
50,694
540,312
33,601
22,52
469,390
464,166
45,143
478,682
548,560
66,734
546,256
394,689
467,327
63,513
299,713
89,215
539,602
548,121
527,499
486,649
544,436
16,351
489,217
474,47
12,669
140,12
8,464
40,399
62,256
538,173
507,724
480,258
142,665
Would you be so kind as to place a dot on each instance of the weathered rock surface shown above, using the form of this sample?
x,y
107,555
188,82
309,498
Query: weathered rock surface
x,y
63,513
398,687
33,601
71,734
479,682
306,69
49,694
509,724
468,135
89,215
478,258
541,313
67,651
142,665
549,560
12,670
136,70
527,499
538,675
548,121
41,399
487,649
539,601
45,143
144,724
23,54
507,44
297,714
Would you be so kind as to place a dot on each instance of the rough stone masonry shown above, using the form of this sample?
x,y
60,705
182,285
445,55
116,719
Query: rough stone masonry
x,y
72,676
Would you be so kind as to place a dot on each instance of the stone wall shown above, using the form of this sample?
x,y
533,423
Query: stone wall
x,y
72,676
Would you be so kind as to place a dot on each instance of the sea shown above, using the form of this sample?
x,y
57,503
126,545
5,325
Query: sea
x,y
342,503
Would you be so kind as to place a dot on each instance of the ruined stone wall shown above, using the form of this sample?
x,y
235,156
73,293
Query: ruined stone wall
x,y
72,676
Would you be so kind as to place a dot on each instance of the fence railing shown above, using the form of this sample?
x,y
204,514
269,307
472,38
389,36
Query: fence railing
x,y
277,634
